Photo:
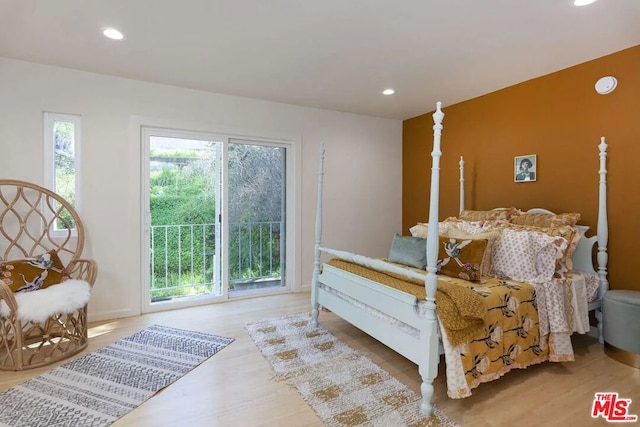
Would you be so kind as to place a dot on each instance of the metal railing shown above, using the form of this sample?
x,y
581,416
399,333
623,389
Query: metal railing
x,y
184,262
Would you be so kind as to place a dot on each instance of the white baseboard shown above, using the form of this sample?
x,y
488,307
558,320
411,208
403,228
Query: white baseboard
x,y
110,315
305,288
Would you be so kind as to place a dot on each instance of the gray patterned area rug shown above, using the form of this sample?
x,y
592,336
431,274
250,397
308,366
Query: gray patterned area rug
x,y
344,387
98,388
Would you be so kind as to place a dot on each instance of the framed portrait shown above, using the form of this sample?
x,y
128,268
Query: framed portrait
x,y
525,168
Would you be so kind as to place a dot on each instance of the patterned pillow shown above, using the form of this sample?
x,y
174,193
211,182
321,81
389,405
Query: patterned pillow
x,y
527,256
564,265
461,258
469,226
35,273
492,236
421,229
546,220
492,215
409,250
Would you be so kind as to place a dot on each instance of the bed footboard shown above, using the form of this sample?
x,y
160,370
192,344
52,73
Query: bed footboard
x,y
368,306
365,303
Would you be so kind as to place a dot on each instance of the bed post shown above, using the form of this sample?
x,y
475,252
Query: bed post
x,y
316,260
429,339
603,233
461,184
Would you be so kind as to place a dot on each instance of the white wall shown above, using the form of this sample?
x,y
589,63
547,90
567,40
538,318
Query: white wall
x,y
363,182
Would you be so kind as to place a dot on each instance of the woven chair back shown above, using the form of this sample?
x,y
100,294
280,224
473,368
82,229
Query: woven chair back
x,y
35,220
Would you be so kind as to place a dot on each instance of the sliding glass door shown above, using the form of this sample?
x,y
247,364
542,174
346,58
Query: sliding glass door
x,y
215,217
257,216
183,209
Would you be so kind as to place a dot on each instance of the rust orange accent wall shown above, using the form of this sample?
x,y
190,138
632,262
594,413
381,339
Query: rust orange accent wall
x,y
560,118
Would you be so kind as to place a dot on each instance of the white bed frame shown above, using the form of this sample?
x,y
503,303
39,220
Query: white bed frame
x,y
423,350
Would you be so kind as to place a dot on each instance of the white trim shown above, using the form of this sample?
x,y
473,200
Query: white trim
x,y
49,119
99,316
224,258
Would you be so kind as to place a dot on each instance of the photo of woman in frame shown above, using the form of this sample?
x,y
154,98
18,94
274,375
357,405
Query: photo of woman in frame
x,y
525,168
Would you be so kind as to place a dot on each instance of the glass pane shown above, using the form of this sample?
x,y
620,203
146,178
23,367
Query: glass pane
x,y
257,216
64,166
184,230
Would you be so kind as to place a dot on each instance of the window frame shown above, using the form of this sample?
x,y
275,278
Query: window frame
x,y
49,168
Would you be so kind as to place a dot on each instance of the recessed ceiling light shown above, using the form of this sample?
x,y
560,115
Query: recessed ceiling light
x,y
388,92
582,2
112,34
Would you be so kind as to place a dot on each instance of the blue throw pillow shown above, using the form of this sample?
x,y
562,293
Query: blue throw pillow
x,y
409,250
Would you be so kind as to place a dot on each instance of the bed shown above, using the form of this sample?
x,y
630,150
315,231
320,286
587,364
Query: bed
x,y
410,322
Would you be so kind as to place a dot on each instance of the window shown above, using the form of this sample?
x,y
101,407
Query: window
x,y
61,157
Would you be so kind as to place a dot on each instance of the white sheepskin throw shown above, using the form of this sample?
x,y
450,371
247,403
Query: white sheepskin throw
x,y
38,306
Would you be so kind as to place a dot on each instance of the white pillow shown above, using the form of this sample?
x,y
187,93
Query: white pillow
x,y
421,229
472,227
526,256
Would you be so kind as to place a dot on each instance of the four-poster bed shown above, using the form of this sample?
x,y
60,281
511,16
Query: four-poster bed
x,y
408,322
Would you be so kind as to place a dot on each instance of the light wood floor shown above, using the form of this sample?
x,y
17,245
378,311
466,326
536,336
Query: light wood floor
x,y
235,387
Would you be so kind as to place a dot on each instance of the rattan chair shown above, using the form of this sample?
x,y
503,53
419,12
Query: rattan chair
x,y
44,325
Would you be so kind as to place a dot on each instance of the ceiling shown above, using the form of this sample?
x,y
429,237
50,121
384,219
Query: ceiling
x,y
330,54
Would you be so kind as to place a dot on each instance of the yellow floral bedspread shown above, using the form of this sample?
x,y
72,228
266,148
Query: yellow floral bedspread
x,y
509,337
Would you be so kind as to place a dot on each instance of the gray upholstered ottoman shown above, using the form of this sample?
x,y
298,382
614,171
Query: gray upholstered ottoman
x,y
621,329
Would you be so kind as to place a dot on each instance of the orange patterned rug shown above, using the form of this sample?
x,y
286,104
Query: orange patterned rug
x,y
344,387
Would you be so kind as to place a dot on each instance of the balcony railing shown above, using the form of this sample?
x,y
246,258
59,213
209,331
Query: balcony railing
x,y
184,260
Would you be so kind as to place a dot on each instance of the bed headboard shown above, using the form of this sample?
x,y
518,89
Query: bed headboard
x,y
583,255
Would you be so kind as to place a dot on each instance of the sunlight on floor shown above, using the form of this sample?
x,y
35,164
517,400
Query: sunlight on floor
x,y
96,331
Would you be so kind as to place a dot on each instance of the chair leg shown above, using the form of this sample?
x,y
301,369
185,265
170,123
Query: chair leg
x,y
35,344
